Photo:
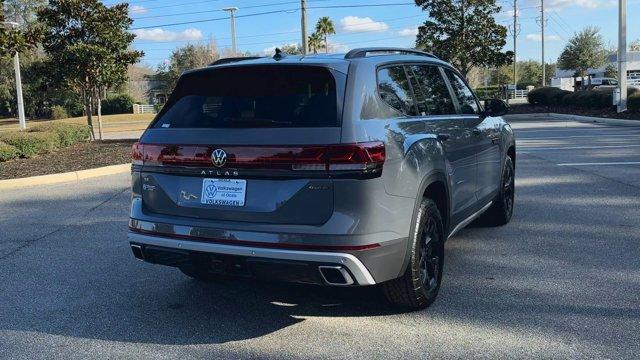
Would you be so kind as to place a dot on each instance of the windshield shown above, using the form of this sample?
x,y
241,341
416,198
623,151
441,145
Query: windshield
x,y
253,96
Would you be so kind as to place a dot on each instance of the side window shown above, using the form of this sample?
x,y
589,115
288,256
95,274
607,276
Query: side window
x,y
431,91
466,99
394,89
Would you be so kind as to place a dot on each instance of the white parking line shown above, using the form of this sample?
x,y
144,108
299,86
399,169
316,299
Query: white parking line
x,y
524,148
582,136
574,129
602,163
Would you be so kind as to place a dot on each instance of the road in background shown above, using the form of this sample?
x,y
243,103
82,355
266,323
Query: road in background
x,y
561,280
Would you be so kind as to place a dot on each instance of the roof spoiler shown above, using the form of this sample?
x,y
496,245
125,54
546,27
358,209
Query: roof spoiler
x,y
230,60
362,52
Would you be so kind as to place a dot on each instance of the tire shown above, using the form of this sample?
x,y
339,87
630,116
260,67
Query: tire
x,y
201,274
418,287
502,209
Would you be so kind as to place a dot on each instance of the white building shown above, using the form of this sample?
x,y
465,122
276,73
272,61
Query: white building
x,y
564,78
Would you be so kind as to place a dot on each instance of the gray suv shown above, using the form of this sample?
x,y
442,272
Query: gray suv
x,y
341,170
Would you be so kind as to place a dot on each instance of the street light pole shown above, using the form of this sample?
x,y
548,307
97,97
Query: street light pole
x,y
16,67
622,55
544,70
515,39
232,12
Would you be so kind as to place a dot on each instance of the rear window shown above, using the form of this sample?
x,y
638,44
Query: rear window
x,y
253,96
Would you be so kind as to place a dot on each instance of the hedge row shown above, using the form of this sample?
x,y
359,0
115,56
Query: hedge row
x,y
8,152
633,102
40,139
599,99
68,134
547,96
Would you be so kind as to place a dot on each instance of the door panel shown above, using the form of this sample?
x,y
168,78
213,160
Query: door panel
x,y
487,144
435,101
460,154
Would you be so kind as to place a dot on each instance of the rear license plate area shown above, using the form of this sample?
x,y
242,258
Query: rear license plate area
x,y
224,192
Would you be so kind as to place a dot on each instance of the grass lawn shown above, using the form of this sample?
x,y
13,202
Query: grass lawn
x,y
120,121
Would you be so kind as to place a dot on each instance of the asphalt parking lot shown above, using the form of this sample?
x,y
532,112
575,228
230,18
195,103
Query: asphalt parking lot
x,y
562,280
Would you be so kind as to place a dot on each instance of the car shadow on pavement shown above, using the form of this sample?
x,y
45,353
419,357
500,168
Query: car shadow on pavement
x,y
238,309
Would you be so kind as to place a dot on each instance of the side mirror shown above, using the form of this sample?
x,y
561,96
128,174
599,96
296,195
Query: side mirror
x,y
495,107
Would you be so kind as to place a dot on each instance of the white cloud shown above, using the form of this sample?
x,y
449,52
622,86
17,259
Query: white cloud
x,y
538,37
358,24
159,34
411,31
337,47
589,4
137,9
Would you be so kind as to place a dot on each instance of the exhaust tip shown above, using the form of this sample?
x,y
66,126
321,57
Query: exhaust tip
x,y
137,252
335,275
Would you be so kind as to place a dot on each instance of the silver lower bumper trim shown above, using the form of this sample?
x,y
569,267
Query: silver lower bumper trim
x,y
355,266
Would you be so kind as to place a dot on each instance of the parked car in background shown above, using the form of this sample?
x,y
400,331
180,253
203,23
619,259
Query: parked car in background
x,y
603,83
634,82
339,170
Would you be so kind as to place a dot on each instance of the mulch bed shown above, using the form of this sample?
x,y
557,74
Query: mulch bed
x,y
77,157
604,113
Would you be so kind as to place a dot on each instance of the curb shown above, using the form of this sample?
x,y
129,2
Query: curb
x,y
597,120
569,117
73,176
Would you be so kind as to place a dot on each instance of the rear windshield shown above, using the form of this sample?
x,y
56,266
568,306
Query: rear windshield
x,y
253,96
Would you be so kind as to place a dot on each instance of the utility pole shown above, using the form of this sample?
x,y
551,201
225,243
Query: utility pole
x,y
16,68
622,54
515,31
544,70
303,21
232,13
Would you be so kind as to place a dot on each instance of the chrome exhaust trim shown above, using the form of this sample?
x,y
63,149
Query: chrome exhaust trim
x,y
336,270
137,252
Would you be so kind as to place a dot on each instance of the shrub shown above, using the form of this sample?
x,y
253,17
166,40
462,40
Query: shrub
x,y
58,112
633,102
68,134
547,96
29,144
8,152
595,99
117,104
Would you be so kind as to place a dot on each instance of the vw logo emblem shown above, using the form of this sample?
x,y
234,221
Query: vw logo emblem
x,y
218,157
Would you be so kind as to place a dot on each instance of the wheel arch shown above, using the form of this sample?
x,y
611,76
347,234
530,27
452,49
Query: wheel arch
x,y
434,186
511,152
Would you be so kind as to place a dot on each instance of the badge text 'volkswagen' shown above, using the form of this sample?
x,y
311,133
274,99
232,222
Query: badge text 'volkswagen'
x,y
219,157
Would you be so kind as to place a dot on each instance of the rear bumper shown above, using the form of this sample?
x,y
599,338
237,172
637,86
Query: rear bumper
x,y
283,264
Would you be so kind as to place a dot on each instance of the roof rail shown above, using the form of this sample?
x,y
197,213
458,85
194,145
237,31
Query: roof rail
x,y
233,59
362,52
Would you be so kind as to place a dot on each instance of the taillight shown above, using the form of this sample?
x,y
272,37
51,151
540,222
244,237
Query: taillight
x,y
137,153
361,157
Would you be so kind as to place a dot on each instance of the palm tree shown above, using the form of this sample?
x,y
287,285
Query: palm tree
x,y
315,42
324,27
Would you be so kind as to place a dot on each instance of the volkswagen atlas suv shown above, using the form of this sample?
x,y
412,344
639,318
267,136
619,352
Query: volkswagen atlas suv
x,y
338,170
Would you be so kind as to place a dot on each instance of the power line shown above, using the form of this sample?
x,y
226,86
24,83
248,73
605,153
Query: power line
x,y
270,12
217,10
292,40
354,25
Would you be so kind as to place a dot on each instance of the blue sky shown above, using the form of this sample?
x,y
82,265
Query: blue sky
x,y
388,25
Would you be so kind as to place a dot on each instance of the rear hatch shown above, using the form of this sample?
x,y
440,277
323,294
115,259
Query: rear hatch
x,y
248,143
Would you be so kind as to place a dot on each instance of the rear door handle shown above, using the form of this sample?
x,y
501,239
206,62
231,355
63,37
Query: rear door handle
x,y
476,131
443,137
